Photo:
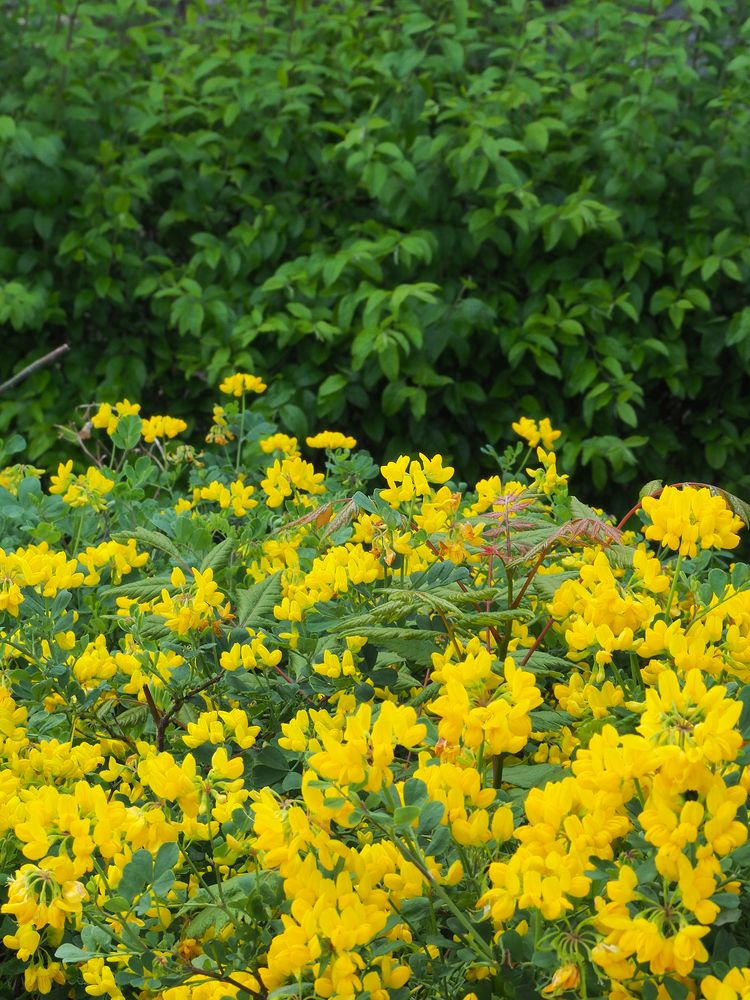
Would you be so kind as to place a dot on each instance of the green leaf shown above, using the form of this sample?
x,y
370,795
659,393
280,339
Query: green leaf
x,y
137,875
70,954
257,602
533,775
141,590
716,454
127,434
166,859
649,488
536,137
13,445
405,815
219,556
7,127
154,540
332,386
363,502
430,816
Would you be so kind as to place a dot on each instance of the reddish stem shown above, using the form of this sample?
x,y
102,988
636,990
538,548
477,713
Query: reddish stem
x,y
529,578
537,642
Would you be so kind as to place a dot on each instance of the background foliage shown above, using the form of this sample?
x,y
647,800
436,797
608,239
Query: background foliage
x,y
418,219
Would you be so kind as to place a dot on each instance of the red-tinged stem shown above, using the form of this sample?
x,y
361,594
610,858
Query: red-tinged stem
x,y
537,643
529,578
281,673
155,714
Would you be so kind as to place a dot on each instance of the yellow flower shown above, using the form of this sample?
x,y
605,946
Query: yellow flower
x,y
161,427
25,941
535,434
59,481
567,977
81,491
734,986
331,439
12,476
546,478
688,519
410,479
279,442
237,495
242,382
40,978
219,432
693,716
108,418
290,474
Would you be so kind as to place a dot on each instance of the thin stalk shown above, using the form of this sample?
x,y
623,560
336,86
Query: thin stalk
x,y
672,589
241,436
34,366
497,770
537,642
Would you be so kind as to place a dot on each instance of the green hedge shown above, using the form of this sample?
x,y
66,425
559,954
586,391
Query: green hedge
x,y
419,220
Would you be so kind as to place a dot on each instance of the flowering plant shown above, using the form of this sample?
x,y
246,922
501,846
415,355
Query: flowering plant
x,y
268,731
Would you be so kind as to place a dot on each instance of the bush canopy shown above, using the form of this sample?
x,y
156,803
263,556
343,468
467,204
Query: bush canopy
x,y
417,219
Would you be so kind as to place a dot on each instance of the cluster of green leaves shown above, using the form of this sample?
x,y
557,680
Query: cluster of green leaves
x,y
418,218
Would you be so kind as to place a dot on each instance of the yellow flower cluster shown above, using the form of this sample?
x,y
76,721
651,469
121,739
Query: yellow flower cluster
x,y
194,606
291,477
237,496
477,706
351,746
331,440
410,479
86,490
688,519
535,434
107,417
242,382
161,427
279,442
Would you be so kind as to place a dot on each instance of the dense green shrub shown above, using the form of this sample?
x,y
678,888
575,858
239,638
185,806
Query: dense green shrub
x,y
418,219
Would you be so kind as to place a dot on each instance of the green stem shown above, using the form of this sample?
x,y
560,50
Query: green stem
x,y
672,589
79,530
618,675
241,434
635,673
407,851
497,770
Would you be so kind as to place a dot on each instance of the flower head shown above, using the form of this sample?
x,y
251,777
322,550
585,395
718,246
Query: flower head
x,y
688,519
331,439
241,382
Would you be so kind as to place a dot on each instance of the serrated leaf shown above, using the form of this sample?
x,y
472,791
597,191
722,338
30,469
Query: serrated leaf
x,y
153,627
650,488
739,506
141,590
258,601
219,556
343,516
153,539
